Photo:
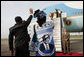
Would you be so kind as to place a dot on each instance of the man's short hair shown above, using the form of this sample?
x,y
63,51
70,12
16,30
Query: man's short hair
x,y
46,37
18,19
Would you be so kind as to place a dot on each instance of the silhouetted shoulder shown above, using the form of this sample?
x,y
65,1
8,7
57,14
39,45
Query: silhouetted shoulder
x,y
11,28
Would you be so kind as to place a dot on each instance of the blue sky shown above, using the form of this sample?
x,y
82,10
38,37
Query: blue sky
x,y
11,9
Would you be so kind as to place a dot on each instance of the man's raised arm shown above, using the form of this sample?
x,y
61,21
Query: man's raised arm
x,y
30,17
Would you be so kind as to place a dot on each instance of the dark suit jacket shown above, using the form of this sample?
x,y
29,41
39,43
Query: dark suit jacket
x,y
43,48
21,34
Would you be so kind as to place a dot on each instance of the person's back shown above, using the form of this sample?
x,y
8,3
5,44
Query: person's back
x,y
20,33
19,30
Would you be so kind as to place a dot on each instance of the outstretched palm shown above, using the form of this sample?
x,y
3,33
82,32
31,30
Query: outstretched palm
x,y
31,11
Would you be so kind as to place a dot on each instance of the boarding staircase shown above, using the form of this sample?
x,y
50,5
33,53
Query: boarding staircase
x,y
57,34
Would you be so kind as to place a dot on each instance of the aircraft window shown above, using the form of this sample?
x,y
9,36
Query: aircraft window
x,y
81,12
78,12
72,13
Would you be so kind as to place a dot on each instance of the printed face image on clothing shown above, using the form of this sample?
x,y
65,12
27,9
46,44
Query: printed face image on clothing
x,y
45,45
45,42
46,38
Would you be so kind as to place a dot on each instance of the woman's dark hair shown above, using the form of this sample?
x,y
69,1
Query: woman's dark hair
x,y
41,21
36,13
40,18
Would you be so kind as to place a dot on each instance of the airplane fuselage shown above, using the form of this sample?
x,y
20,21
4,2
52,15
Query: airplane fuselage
x,y
74,22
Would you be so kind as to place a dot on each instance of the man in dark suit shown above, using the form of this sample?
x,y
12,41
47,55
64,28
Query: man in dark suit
x,y
45,45
19,30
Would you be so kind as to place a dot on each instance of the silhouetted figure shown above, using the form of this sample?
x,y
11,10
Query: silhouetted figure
x,y
19,30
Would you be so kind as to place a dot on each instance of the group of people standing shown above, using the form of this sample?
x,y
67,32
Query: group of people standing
x,y
44,35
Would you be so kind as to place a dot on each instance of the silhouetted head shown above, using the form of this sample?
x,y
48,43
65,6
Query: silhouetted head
x,y
41,21
36,13
18,19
